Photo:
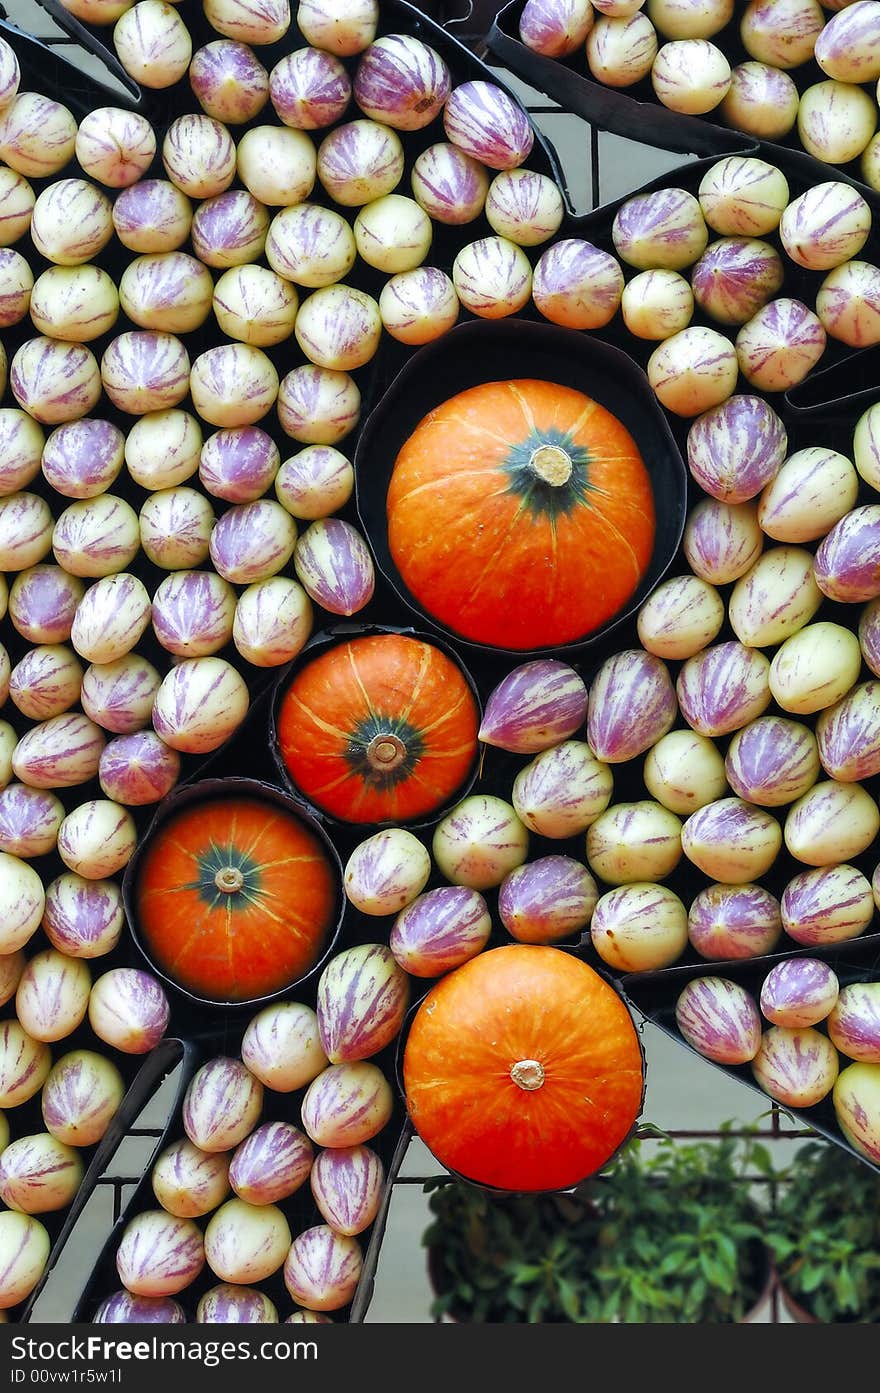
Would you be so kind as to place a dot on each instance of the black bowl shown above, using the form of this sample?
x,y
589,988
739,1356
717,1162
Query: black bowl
x,y
496,351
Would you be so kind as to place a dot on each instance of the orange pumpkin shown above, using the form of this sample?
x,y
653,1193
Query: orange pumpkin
x,y
523,1070
520,514
381,728
235,898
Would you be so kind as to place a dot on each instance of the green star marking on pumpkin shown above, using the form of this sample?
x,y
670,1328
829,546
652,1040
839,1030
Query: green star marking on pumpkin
x,y
549,471
384,750
227,875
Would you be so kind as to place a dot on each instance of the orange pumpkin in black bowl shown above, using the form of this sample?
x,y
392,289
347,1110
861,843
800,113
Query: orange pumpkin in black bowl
x,y
521,487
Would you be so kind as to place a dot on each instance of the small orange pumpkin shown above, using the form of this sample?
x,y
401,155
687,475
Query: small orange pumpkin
x,y
520,514
381,728
522,1069
235,898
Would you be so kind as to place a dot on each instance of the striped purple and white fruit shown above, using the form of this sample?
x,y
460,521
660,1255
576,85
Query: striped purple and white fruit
x,y
82,458
123,1308
334,566
385,872
255,305
815,668
690,76
315,482
782,34
555,28
660,231
869,636
153,44
812,491
684,771
96,536
735,276
343,30
230,229
479,842
238,464
632,705
339,327
323,1268
693,371
722,540
732,841
639,927
796,1067
525,206
346,1184
71,222
129,1010
193,613
222,1104
137,769
743,196
848,735
115,146
774,599
263,23
657,304
318,406
21,449
622,45
347,1104
536,706
10,75
110,618
404,83
271,1164
52,995
719,1019
562,790
29,820
577,284
418,306
16,206
450,185
143,370
848,48
828,905
12,965
486,123
228,1304
162,448
74,304
8,742
5,674
252,541
300,1317
21,902
362,998
547,900
24,1252
233,385
825,226
273,620
357,163
200,703
119,696
175,526
856,1100
736,449
25,530
492,277
81,1096
189,1182
848,304
846,565
681,617
799,992
282,1046
246,1243
724,687
198,154
772,761
866,447
853,1024
159,1254
97,839
59,753
167,291
634,842
83,918
39,1174
309,89
833,823
37,134
228,81
440,930
780,345
16,285
734,921
24,1064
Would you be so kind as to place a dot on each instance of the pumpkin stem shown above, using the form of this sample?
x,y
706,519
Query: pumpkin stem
x,y
386,752
229,879
527,1074
552,464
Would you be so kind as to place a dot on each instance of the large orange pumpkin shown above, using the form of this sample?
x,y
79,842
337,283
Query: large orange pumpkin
x,y
523,1070
520,514
381,728
235,898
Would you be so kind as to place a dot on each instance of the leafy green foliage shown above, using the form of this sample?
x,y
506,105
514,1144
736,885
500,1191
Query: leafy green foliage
x,y
669,1234
826,1234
